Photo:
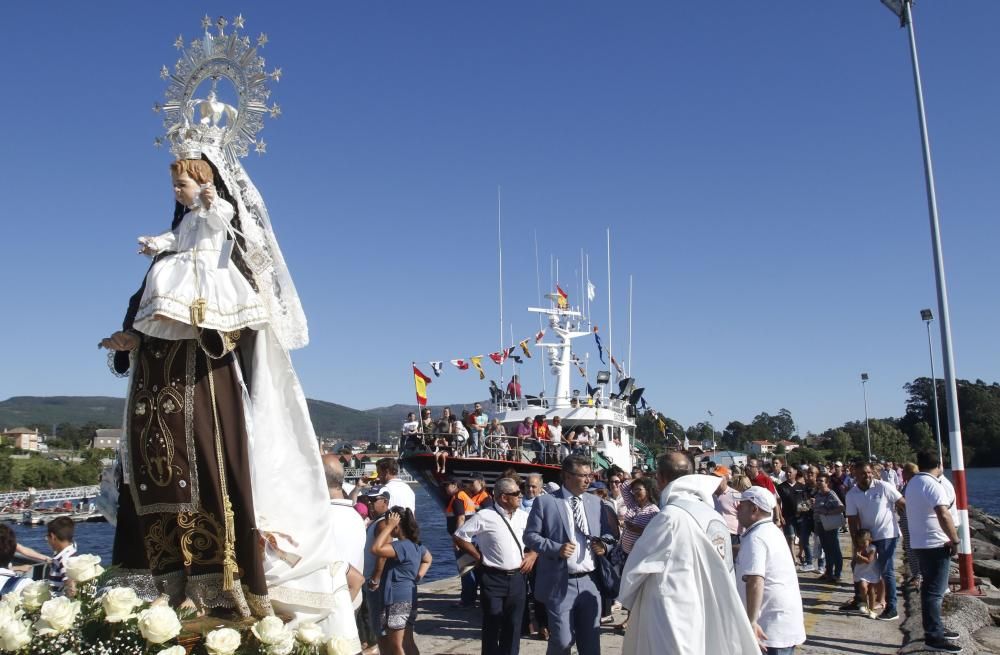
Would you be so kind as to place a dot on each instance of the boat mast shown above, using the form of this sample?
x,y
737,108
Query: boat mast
x,y
628,368
610,340
538,290
500,259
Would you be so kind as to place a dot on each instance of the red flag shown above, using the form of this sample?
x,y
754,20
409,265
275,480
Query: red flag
x,y
498,358
563,301
538,337
460,364
420,381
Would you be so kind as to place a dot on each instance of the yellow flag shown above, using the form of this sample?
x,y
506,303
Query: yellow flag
x,y
478,363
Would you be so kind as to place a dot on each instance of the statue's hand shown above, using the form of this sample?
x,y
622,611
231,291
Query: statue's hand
x,y
120,341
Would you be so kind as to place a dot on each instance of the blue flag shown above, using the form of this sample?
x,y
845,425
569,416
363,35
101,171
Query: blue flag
x,y
600,346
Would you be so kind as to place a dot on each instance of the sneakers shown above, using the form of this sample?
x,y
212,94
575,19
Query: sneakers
x,y
872,614
942,646
850,606
951,635
888,615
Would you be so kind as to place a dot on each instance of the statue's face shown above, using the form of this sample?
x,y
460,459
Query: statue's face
x,y
185,188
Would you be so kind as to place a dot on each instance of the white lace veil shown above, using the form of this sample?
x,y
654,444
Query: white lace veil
x,y
262,253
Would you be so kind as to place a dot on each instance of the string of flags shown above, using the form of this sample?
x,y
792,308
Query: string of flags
x,y
561,298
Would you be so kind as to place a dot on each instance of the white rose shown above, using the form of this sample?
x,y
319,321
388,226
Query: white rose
x,y
173,650
34,594
223,641
57,615
309,634
159,624
83,568
269,630
118,604
339,646
8,614
15,635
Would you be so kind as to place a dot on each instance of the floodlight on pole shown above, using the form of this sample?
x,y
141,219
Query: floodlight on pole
x,y
927,316
904,9
868,434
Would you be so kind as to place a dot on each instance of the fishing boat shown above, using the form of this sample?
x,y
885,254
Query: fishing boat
x,y
608,414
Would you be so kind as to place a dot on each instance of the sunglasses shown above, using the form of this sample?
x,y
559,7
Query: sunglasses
x,y
515,494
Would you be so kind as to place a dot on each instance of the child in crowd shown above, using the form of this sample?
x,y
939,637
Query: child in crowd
x,y
407,561
60,540
10,582
866,573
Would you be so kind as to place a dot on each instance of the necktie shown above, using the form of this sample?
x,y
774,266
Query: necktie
x,y
578,518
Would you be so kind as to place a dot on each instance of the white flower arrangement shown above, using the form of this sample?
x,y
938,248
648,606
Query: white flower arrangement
x,y
115,621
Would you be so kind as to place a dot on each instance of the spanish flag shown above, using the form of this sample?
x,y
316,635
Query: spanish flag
x,y
420,381
563,300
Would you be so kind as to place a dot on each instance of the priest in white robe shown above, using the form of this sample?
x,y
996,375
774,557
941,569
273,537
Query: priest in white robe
x,y
678,580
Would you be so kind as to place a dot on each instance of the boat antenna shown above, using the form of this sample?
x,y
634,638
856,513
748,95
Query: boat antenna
x,y
610,340
628,368
538,289
587,267
500,260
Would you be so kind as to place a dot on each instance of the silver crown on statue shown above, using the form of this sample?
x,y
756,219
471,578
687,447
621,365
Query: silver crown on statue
x,y
196,124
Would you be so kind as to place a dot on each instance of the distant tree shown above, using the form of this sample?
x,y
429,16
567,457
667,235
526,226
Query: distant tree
x,y
735,435
804,455
780,449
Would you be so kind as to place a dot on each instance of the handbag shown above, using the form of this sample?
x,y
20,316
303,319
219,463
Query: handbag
x,y
831,521
606,575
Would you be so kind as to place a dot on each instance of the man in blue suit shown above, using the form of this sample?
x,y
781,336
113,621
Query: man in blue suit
x,y
563,528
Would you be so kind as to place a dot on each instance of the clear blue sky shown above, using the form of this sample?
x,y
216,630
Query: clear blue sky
x,y
757,162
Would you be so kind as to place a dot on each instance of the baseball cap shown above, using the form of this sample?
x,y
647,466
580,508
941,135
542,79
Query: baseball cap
x,y
377,492
721,471
760,497
838,463
597,484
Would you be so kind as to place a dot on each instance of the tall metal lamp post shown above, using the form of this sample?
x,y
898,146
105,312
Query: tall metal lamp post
x,y
868,434
904,9
927,316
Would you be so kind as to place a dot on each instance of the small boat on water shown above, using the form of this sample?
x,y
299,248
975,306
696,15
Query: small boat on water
x,y
608,416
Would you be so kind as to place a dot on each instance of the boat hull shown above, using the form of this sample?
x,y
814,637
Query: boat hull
x,y
423,467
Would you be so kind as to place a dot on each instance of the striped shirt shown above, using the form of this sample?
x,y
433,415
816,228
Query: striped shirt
x,y
57,569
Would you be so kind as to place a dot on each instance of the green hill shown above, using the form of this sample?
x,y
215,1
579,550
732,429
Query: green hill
x,y
328,418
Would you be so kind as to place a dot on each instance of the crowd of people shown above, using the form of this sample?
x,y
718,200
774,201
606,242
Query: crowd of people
x,y
474,434
882,506
677,549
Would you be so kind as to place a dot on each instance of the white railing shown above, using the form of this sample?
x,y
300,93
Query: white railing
x,y
356,474
48,495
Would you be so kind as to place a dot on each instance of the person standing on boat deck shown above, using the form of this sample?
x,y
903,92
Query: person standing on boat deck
x,y
410,429
479,422
504,563
540,431
555,436
399,492
563,529
514,388
427,428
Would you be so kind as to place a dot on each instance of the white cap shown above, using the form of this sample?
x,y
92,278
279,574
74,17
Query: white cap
x,y
760,497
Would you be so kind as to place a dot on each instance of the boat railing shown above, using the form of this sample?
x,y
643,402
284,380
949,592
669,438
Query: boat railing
x,y
502,447
568,403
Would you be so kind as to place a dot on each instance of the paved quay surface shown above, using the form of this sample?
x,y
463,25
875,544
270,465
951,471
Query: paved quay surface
x,y
443,628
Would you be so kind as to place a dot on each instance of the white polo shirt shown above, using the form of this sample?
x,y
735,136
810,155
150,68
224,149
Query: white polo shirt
x,y
764,552
350,533
499,548
924,492
401,494
875,509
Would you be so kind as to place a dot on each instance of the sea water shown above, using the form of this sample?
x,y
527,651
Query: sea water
x,y
97,538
